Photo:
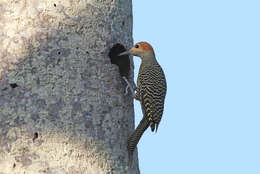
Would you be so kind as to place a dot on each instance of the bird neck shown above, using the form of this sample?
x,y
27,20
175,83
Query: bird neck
x,y
149,59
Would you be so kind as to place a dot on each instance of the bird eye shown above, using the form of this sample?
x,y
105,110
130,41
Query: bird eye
x,y
136,46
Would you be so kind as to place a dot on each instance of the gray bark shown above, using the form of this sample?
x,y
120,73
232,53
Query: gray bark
x,y
62,103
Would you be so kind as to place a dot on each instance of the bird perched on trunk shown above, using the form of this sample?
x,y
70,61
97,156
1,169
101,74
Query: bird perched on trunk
x,y
151,91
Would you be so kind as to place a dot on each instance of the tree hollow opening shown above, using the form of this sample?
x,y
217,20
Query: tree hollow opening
x,y
123,62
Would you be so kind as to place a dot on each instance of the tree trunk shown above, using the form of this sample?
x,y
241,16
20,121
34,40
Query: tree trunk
x,y
62,103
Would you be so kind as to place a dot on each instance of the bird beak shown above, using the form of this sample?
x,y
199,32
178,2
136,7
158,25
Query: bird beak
x,y
124,53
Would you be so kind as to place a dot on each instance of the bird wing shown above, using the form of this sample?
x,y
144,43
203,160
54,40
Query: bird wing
x,y
147,108
153,91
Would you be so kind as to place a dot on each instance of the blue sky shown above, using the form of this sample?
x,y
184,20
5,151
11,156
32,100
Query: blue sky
x,y
210,52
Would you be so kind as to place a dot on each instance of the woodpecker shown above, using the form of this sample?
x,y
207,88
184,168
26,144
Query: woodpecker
x,y
151,91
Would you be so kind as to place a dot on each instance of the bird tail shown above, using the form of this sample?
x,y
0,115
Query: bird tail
x,y
135,137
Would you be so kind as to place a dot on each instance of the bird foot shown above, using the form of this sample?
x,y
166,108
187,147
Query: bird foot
x,y
129,86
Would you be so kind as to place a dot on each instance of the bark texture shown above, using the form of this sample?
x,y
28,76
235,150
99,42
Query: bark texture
x,y
62,103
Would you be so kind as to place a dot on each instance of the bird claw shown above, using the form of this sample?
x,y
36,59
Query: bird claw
x,y
129,86
126,89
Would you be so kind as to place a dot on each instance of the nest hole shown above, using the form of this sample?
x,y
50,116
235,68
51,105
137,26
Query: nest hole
x,y
13,85
35,136
123,62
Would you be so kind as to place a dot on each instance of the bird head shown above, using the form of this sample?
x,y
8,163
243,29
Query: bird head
x,y
141,49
